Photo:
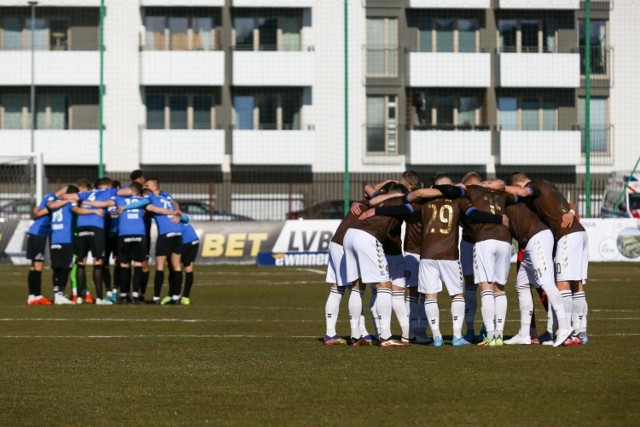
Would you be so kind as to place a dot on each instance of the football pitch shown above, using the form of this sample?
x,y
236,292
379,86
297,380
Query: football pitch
x,y
248,351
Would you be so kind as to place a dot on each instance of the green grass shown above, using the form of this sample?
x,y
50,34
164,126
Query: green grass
x,y
248,352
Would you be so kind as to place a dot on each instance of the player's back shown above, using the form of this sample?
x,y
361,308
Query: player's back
x,y
493,202
523,223
440,221
550,204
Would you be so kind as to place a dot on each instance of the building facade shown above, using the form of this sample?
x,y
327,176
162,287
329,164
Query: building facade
x,y
253,89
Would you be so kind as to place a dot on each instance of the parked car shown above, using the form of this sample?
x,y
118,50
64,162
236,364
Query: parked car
x,y
17,209
199,210
624,189
328,209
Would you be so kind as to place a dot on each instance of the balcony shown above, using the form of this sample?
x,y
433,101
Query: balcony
x,y
183,3
276,68
601,145
273,3
438,69
182,68
448,4
540,4
58,147
539,148
601,66
182,147
55,3
540,70
433,146
51,68
273,147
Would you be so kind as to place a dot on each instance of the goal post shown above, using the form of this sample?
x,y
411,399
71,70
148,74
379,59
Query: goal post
x,y
21,178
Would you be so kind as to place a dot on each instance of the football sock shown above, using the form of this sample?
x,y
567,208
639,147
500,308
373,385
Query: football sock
x,y
137,279
501,313
457,314
80,280
423,314
331,309
585,315
384,307
433,315
414,317
35,282
372,309
116,277
175,283
488,310
144,282
157,283
97,279
556,306
125,280
400,309
188,282
471,305
525,302
106,277
567,300
579,302
355,310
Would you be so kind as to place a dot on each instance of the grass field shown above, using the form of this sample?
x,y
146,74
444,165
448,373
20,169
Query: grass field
x,y
248,351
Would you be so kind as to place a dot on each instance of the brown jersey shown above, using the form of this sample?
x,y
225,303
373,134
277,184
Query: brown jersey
x,y
349,221
467,231
392,245
494,202
549,203
440,232
523,223
380,226
413,229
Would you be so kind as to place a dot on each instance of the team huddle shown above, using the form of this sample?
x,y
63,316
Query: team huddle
x,y
368,248
109,220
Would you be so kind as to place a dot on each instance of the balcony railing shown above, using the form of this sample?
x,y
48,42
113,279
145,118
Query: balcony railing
x,y
601,66
295,47
449,127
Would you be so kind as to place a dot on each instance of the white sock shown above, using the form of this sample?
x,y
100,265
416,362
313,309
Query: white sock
x,y
374,312
384,307
556,307
501,313
471,306
433,315
457,314
422,314
488,310
579,302
331,310
400,309
567,301
355,310
585,315
525,302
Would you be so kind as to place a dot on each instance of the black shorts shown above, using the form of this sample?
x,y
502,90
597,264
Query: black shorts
x,y
167,244
91,239
61,255
35,247
189,252
132,248
111,247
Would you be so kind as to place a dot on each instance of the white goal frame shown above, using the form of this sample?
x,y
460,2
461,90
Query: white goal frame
x,y
39,165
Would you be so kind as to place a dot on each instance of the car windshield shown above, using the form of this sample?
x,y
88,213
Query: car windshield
x,y
634,201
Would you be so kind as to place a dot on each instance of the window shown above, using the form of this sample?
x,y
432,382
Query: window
x,y
382,47
180,111
265,31
15,109
527,113
599,128
274,110
382,126
527,35
597,46
447,35
181,30
74,110
444,111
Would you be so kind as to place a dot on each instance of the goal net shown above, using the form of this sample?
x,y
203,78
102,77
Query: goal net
x,y
22,184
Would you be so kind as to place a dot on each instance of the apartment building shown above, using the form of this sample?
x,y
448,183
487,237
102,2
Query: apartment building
x,y
221,88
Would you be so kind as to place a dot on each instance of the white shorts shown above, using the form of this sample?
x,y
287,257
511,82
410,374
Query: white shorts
x,y
434,272
491,261
337,268
572,257
412,267
396,270
466,257
536,267
364,257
